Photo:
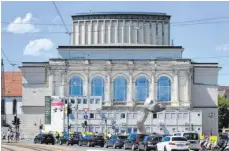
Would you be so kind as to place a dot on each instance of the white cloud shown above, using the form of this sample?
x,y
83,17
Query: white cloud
x,y
22,25
224,47
56,19
38,47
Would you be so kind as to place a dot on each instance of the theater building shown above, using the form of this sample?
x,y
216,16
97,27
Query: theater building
x,y
116,61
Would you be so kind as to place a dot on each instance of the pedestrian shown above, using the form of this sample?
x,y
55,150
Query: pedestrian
x,y
8,135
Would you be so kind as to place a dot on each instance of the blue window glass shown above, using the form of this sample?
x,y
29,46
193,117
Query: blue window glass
x,y
129,129
76,86
97,87
120,89
135,130
116,130
142,89
164,89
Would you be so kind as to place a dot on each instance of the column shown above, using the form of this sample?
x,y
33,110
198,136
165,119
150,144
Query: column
x,y
62,86
116,32
86,81
187,88
130,90
123,31
90,33
108,89
77,34
176,88
51,83
83,32
103,32
130,27
109,32
153,87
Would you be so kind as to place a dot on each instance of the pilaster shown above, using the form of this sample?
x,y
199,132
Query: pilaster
x,y
175,99
108,89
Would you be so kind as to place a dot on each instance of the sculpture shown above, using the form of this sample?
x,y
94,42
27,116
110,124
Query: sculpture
x,y
149,106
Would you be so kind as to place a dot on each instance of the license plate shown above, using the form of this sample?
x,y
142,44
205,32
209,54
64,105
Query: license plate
x,y
180,145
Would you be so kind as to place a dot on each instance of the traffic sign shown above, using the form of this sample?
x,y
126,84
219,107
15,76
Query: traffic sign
x,y
85,110
113,127
113,122
86,117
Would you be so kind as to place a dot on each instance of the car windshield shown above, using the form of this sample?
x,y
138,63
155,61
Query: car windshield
x,y
191,136
122,137
99,137
131,136
179,139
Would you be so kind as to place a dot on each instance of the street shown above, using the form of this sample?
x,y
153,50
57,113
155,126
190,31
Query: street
x,y
29,146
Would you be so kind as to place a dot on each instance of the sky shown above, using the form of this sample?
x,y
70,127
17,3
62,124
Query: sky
x,y
203,41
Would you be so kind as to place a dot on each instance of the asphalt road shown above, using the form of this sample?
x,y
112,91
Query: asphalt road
x,y
29,146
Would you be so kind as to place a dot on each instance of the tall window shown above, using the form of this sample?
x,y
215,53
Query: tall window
x,y
76,86
14,106
97,87
120,89
164,89
142,89
3,107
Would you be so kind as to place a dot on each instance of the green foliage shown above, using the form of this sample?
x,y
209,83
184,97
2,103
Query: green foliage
x,y
223,114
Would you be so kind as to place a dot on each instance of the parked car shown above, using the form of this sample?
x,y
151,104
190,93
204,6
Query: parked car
x,y
47,139
132,141
192,137
73,139
171,143
63,139
149,142
92,140
115,141
37,139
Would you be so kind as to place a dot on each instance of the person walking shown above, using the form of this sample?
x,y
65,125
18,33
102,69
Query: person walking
x,y
8,135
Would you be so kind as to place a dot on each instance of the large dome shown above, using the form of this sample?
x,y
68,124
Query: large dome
x,y
121,28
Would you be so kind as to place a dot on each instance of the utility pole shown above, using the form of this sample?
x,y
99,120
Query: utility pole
x,y
3,113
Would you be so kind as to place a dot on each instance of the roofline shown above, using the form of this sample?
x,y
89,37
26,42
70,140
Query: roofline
x,y
34,62
120,13
159,59
205,63
126,47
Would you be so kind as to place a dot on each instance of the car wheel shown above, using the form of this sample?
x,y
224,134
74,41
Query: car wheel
x,y
80,144
105,145
114,146
165,149
139,148
124,146
145,148
60,143
72,144
133,147
53,143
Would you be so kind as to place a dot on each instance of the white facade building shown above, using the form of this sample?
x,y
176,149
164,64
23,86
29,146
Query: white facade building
x,y
123,67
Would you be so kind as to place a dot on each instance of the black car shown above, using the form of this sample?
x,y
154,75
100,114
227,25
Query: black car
x,y
47,139
73,139
37,139
115,141
149,142
92,140
133,140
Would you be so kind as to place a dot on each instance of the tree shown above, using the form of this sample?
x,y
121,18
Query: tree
x,y
223,114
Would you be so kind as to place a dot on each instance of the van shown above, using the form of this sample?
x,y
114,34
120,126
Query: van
x,y
192,137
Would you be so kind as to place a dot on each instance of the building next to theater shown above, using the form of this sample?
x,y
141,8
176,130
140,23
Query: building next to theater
x,y
121,58
11,100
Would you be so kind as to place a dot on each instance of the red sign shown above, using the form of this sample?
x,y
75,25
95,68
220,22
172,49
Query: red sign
x,y
85,110
57,104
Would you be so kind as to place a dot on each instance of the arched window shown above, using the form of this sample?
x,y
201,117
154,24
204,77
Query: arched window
x,y
164,89
97,87
120,89
142,89
76,86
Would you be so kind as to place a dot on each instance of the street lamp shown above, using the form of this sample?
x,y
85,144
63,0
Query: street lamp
x,y
211,115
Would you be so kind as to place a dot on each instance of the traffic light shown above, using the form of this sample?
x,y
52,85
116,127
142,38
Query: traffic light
x,y
70,125
41,126
18,121
69,110
14,122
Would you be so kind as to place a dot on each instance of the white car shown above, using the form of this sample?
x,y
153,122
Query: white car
x,y
173,143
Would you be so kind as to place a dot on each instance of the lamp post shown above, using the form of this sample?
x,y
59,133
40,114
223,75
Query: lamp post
x,y
211,115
